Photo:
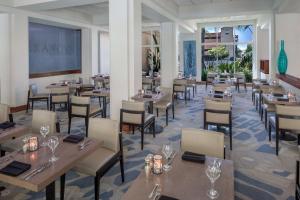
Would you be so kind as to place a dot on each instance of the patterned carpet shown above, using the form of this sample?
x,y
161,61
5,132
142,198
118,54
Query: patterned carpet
x,y
259,173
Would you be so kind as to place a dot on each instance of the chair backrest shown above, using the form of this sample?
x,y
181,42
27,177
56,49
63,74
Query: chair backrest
x,y
106,83
43,117
147,83
240,77
179,85
80,106
297,192
4,113
211,76
218,112
168,94
205,142
60,95
132,112
288,117
33,90
106,131
221,87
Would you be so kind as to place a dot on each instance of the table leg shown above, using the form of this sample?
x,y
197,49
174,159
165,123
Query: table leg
x,y
50,191
158,128
62,186
104,107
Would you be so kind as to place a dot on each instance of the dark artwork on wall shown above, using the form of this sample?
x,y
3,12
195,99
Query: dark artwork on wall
x,y
53,50
189,49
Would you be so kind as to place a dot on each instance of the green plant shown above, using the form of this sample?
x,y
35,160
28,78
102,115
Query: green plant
x,y
219,52
204,74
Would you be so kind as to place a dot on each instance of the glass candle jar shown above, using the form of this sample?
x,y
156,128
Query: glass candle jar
x,y
157,164
33,144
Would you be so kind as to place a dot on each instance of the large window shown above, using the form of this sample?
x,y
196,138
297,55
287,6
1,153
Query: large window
x,y
227,49
151,51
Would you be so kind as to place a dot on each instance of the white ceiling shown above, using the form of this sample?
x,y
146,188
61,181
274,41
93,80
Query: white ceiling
x,y
196,2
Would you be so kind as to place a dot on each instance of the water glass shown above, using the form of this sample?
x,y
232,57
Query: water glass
x,y
52,144
167,151
44,130
213,172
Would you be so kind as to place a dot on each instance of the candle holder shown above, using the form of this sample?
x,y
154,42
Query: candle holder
x,y
33,144
157,164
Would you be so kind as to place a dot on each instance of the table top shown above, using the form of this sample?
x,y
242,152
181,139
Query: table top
x,y
67,153
16,131
154,97
185,181
224,99
271,99
60,85
96,93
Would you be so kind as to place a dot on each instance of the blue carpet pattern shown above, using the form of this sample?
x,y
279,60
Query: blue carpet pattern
x,y
259,173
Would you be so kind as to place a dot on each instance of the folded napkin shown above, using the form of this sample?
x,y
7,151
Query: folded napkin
x,y
147,96
278,95
219,92
74,138
53,84
283,99
266,84
15,168
218,96
96,91
6,125
163,197
193,157
63,85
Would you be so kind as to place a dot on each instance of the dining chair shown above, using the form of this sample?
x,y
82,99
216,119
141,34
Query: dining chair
x,y
221,87
60,95
34,96
81,107
134,115
240,80
147,83
106,83
110,152
210,79
209,143
180,86
218,113
192,83
165,103
286,119
39,118
297,191
5,114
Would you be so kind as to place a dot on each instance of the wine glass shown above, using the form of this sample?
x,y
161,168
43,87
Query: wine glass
x,y
213,172
167,151
44,130
52,144
157,89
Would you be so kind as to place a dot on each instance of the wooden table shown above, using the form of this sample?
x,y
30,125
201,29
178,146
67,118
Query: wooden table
x,y
101,93
14,132
185,181
224,99
271,99
68,155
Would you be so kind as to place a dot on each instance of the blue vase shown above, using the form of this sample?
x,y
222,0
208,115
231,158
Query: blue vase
x,y
282,62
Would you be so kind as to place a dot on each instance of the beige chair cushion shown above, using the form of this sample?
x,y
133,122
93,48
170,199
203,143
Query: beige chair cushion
x,y
162,104
106,131
133,106
217,106
78,110
285,123
269,107
43,117
179,85
60,98
39,96
91,164
205,142
4,112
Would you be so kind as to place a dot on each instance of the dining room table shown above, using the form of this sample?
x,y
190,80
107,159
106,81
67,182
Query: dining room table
x,y
43,173
12,133
72,85
103,94
150,98
185,181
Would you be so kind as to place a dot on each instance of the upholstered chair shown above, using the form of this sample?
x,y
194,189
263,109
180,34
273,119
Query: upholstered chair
x,y
209,143
60,95
106,156
147,83
81,107
5,114
106,83
180,86
240,80
218,113
210,79
165,103
220,87
39,118
192,83
34,96
286,119
133,114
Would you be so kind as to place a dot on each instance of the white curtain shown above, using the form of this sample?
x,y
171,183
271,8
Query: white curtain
x,y
104,58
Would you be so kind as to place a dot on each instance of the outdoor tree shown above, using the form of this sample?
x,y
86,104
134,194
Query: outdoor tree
x,y
219,52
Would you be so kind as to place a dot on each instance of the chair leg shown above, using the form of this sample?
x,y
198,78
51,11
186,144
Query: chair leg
x,y
142,138
266,119
2,153
86,126
69,127
230,135
173,110
298,137
277,141
122,168
47,104
261,114
27,107
167,116
32,102
157,112
97,187
153,129
270,131
62,186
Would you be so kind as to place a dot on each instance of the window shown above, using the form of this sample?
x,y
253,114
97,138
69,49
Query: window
x,y
227,49
151,51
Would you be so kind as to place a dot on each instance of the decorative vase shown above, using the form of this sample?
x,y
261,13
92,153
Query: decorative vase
x,y
282,61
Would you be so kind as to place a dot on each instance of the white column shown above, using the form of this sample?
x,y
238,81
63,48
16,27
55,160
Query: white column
x,y
95,51
19,60
169,53
125,52
272,48
255,60
199,52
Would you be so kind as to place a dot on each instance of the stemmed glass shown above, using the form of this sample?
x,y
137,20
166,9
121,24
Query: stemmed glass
x,y
167,151
157,89
213,172
52,144
44,130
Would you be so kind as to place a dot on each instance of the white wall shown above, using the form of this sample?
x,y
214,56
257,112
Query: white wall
x,y
104,53
262,47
